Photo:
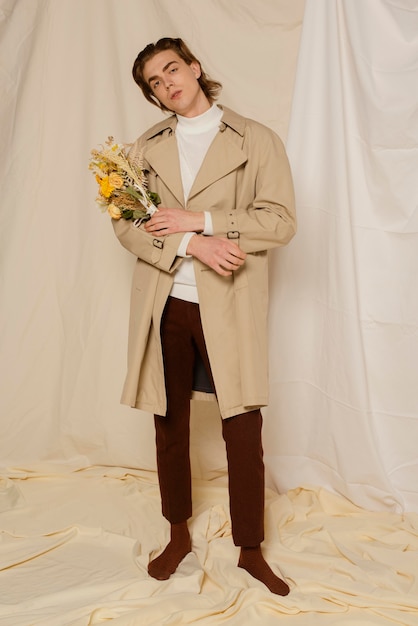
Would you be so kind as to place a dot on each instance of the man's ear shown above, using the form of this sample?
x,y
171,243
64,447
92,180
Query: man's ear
x,y
195,65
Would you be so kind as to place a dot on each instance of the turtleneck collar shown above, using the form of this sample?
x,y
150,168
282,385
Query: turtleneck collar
x,y
200,123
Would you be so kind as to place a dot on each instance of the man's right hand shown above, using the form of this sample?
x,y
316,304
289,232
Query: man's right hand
x,y
219,253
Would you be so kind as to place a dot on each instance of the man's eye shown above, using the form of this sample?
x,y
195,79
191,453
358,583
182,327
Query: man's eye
x,y
173,69
155,85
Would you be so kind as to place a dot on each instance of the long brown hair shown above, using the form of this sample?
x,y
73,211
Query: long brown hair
x,y
210,88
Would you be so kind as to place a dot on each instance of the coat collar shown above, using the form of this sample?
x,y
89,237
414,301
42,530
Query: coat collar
x,y
222,157
229,118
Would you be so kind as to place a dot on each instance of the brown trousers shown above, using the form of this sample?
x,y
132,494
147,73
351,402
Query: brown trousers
x,y
182,336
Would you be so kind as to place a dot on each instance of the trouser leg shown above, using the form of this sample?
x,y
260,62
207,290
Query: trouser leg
x,y
242,435
181,334
173,430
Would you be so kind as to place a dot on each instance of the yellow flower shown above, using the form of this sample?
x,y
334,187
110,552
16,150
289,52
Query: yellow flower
x,y
115,180
114,211
106,188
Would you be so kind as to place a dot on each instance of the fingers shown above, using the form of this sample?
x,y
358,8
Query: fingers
x,y
232,262
159,221
220,254
167,221
231,254
225,268
157,229
158,224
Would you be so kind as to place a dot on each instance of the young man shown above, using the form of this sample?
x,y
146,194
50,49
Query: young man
x,y
199,292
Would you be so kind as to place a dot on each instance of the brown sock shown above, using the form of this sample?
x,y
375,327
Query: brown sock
x,y
254,563
180,544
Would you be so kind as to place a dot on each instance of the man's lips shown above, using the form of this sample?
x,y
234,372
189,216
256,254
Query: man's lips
x,y
175,95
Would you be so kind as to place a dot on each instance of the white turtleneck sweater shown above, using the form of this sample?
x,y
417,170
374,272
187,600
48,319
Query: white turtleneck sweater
x,y
194,136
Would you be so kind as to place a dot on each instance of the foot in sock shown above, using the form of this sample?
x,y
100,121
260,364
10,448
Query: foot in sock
x,y
167,562
254,563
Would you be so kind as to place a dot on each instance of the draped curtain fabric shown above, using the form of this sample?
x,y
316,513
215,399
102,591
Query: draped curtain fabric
x,y
344,315
343,319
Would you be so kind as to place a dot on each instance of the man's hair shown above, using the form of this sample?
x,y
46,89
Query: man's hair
x,y
210,88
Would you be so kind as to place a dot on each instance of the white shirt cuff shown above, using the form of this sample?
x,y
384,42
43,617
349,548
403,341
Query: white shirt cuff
x,y
208,230
181,251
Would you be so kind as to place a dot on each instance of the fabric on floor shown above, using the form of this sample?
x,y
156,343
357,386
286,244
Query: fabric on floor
x,y
74,551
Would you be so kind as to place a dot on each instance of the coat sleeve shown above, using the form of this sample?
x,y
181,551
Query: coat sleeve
x,y
269,220
158,251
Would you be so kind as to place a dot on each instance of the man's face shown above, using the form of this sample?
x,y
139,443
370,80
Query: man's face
x,y
175,83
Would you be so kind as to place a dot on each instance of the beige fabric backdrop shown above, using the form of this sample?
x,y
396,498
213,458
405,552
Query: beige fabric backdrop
x,y
66,85
74,545
343,410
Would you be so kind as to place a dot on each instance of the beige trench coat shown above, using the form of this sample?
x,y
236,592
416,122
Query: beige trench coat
x,y
245,183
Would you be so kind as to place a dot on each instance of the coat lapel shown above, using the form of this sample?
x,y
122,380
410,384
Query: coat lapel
x,y
164,159
223,157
